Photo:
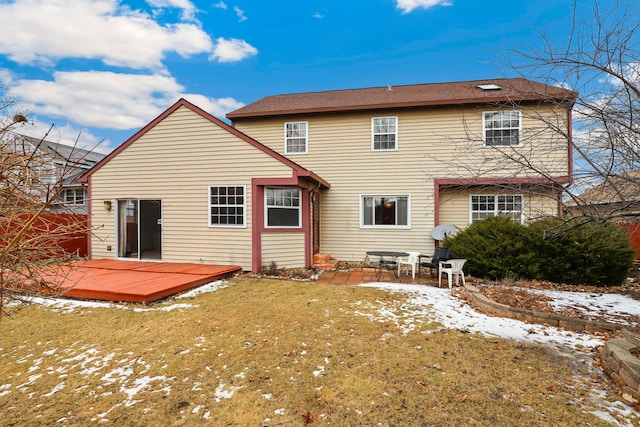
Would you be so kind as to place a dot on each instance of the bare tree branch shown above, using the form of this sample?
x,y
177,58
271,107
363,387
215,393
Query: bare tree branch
x,y
33,258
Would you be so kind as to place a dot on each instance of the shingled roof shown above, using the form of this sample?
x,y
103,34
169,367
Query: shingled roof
x,y
420,95
624,187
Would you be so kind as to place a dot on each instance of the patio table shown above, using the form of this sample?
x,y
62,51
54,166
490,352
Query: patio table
x,y
382,263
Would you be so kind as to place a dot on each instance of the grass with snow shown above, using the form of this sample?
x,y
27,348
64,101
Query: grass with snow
x,y
266,352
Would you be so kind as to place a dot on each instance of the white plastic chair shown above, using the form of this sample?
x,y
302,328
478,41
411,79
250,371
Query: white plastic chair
x,y
451,267
411,260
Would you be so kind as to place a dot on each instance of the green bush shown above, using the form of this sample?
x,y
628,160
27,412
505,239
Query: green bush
x,y
568,252
552,249
494,248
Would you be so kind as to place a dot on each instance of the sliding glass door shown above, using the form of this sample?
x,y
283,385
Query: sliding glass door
x,y
140,229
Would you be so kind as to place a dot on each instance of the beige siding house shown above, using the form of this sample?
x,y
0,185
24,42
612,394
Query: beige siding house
x,y
189,188
338,172
403,160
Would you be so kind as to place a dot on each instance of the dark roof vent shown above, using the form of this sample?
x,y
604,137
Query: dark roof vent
x,y
489,86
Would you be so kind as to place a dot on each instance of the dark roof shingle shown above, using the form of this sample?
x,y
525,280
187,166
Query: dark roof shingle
x,y
457,93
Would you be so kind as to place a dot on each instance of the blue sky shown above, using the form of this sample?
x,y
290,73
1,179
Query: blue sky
x,y
102,69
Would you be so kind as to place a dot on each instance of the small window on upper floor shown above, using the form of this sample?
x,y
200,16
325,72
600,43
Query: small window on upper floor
x,y
502,128
384,133
74,196
295,137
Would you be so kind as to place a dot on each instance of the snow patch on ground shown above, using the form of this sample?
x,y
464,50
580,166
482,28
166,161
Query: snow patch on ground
x,y
66,305
438,304
209,287
614,308
222,393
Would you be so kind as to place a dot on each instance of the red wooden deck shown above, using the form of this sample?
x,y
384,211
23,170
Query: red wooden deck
x,y
138,281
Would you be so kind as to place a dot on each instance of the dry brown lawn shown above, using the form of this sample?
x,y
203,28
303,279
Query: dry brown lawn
x,y
269,352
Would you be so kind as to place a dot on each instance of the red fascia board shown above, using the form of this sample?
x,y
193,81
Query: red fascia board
x,y
561,180
298,170
308,174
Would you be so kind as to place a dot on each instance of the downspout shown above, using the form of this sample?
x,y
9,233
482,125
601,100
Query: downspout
x,y
436,208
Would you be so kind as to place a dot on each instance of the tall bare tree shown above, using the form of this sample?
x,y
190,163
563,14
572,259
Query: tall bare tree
x,y
33,259
600,61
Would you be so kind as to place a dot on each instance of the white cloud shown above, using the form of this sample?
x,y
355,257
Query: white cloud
x,y
188,9
408,6
231,50
98,29
109,100
218,106
5,77
240,13
220,5
66,134
99,99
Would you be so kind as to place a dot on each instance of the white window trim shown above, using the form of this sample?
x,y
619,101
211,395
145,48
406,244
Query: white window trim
x,y
75,199
266,210
244,206
373,134
484,129
496,212
378,227
306,139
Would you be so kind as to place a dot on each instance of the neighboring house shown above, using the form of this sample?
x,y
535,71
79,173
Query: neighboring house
x,y
43,169
61,164
615,199
341,172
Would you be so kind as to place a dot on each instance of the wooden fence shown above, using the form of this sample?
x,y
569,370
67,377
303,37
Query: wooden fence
x,y
75,240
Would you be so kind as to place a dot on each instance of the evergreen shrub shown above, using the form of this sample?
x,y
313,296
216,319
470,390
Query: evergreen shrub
x,y
493,247
594,253
552,249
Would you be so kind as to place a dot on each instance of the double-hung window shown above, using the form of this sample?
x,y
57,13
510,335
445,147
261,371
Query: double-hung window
x,y
384,133
74,196
385,211
486,205
227,206
502,128
283,207
295,137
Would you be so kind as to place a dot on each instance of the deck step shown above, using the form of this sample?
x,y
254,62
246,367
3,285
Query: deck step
x,y
331,264
321,258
